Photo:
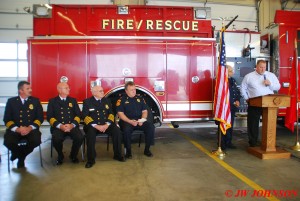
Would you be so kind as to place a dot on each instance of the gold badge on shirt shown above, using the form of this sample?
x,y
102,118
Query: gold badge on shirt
x,y
31,106
118,103
70,105
138,100
126,102
106,106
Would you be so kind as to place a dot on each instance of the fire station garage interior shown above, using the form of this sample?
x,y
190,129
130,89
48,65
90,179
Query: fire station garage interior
x,y
173,51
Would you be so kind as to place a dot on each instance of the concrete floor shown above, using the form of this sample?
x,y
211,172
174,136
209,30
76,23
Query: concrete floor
x,y
182,168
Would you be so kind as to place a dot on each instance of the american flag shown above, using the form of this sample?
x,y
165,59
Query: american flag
x,y
221,99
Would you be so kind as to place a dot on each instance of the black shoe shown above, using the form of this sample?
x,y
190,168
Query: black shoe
x,y
74,160
21,163
231,146
89,164
223,147
148,153
128,155
60,160
13,157
119,158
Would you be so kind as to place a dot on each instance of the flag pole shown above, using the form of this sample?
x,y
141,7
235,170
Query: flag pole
x,y
296,147
219,151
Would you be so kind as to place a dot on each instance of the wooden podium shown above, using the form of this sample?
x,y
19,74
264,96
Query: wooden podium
x,y
270,104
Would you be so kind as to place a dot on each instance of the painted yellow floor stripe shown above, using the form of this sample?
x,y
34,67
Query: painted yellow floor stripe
x,y
236,173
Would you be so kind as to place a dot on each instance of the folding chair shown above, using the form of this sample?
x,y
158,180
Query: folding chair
x,y
104,135
82,147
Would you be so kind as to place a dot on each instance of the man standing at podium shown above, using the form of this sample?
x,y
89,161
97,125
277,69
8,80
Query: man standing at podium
x,y
257,83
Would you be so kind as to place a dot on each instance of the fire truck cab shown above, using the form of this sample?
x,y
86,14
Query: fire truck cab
x,y
279,42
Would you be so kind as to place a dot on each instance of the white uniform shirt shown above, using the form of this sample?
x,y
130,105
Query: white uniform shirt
x,y
253,85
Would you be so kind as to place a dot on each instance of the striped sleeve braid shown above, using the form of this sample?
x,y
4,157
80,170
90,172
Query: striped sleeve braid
x,y
87,120
111,117
9,124
77,119
37,122
52,121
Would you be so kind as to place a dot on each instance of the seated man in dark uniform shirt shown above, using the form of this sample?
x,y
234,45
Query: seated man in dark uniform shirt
x,y
133,113
98,118
23,117
63,114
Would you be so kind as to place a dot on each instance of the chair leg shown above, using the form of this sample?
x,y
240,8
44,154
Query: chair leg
x,y
51,147
8,162
140,140
82,150
107,146
83,143
41,158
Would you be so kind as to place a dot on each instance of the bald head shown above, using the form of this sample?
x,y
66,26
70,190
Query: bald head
x,y
63,89
98,92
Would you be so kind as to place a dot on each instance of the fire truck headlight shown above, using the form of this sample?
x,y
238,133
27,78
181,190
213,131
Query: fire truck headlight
x,y
202,13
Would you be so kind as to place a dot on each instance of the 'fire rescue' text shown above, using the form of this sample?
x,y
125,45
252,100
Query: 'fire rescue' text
x,y
130,24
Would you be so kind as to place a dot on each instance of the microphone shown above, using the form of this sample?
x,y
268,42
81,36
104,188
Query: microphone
x,y
265,78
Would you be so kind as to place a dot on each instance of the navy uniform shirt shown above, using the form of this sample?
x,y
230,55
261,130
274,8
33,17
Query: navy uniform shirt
x,y
63,112
131,107
234,92
96,112
19,114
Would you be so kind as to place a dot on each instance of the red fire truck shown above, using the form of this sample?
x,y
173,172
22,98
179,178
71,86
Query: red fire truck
x,y
169,52
278,45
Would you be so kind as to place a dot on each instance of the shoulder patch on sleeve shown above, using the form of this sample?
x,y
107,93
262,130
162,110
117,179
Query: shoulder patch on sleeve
x,y
118,102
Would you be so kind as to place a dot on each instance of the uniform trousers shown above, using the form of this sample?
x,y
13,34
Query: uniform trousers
x,y
58,137
127,129
12,139
253,118
227,139
112,130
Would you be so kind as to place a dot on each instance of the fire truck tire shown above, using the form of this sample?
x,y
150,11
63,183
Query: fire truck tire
x,y
174,124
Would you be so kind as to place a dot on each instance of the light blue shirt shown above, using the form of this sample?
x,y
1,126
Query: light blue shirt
x,y
253,85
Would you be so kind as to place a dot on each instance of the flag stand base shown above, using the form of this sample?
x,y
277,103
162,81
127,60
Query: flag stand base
x,y
219,153
296,147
